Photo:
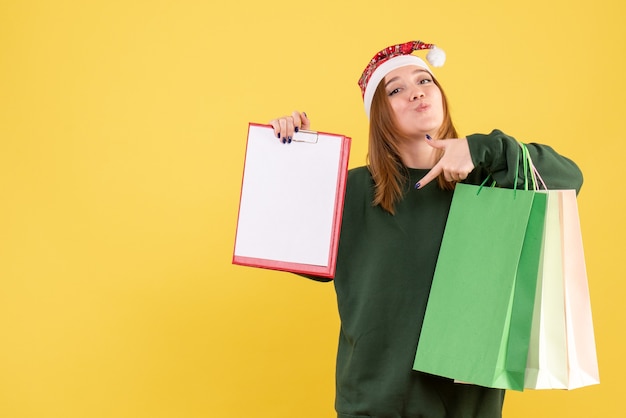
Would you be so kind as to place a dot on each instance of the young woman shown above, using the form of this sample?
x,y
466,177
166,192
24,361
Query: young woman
x,y
393,222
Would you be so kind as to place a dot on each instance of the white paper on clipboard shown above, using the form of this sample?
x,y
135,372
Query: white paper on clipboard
x,y
291,201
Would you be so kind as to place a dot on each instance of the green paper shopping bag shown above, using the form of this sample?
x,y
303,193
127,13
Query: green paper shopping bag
x,y
478,319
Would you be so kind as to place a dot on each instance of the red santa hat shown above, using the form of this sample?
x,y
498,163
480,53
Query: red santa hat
x,y
393,57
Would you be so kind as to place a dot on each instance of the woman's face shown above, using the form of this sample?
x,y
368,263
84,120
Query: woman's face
x,y
416,100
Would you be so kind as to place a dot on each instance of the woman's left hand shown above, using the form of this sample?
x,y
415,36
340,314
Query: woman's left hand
x,y
455,164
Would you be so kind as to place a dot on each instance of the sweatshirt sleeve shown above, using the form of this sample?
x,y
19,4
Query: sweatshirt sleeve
x,y
499,154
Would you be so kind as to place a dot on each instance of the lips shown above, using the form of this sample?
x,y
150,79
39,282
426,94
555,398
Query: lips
x,y
422,107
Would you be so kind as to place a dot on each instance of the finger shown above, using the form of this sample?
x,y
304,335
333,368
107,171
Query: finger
x,y
456,176
290,130
450,176
435,143
276,125
306,122
283,128
299,121
430,176
280,127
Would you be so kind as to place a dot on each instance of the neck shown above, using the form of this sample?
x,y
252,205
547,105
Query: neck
x,y
416,153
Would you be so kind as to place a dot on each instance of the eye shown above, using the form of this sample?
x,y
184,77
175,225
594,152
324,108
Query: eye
x,y
425,81
394,91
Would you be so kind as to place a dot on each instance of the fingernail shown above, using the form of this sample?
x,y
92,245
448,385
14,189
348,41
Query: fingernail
x,y
417,185
289,140
284,140
305,115
428,137
278,135
297,129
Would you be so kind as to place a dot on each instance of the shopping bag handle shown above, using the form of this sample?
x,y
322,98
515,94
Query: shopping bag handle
x,y
529,166
534,173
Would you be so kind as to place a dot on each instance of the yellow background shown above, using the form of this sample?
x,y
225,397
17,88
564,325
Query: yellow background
x,y
122,135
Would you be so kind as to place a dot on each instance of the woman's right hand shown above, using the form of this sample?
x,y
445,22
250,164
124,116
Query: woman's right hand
x,y
286,126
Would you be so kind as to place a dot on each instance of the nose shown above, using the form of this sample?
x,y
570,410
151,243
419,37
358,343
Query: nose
x,y
416,93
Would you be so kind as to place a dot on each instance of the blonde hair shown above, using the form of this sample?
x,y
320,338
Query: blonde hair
x,y
383,159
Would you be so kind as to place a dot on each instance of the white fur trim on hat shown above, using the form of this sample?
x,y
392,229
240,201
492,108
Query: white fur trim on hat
x,y
385,68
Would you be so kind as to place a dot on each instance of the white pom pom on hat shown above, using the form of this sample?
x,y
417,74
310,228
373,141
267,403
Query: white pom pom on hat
x,y
393,57
436,57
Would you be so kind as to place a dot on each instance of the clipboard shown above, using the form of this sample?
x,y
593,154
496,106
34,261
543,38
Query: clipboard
x,y
291,202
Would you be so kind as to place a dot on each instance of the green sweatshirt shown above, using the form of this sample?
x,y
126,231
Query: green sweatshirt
x,y
385,268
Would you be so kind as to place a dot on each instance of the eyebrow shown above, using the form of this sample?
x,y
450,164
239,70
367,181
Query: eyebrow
x,y
419,70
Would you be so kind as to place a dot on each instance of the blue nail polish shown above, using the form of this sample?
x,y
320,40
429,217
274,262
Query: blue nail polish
x,y
278,135
284,140
428,137
289,140
417,185
297,129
